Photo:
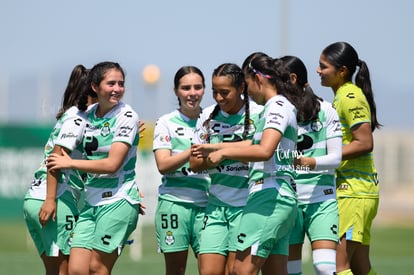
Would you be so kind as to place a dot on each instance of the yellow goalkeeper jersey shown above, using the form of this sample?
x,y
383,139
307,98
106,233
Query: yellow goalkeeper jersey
x,y
355,177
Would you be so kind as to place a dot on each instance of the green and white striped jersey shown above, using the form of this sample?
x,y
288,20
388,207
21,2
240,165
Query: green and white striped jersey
x,y
229,180
118,125
174,131
67,132
278,171
317,185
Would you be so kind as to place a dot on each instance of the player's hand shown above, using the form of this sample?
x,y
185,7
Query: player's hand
x,y
47,210
141,206
141,128
202,150
59,161
214,158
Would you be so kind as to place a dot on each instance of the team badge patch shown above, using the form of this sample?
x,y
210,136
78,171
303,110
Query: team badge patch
x,y
169,238
316,126
105,130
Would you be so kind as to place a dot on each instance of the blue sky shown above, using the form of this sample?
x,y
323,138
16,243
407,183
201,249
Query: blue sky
x,y
42,41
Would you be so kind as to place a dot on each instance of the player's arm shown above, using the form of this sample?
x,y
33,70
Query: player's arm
x,y
200,152
48,208
254,152
331,160
167,163
362,142
108,165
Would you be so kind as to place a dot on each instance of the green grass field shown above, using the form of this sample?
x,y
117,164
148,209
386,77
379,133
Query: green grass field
x,y
392,252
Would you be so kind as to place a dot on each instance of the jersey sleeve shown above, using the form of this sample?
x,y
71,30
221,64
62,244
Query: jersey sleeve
x,y
276,116
71,131
333,124
333,157
127,127
162,137
200,135
355,109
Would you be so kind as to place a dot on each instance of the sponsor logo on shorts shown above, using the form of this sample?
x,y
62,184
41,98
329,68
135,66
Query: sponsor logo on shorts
x,y
328,191
334,229
105,239
240,237
107,194
343,187
260,181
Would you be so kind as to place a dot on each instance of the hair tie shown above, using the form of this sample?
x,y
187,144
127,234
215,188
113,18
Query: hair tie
x,y
259,72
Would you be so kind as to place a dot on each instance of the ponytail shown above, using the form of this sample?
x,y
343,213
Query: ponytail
x,y
363,81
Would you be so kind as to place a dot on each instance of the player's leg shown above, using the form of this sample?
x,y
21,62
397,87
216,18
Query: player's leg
x,y
296,240
175,262
322,229
295,259
214,241
360,262
55,265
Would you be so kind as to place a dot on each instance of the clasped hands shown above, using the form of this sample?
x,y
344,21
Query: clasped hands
x,y
209,152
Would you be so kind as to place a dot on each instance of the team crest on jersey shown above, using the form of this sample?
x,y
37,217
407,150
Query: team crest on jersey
x,y
169,238
316,126
252,127
105,130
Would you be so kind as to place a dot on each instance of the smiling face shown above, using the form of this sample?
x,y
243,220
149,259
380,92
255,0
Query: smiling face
x,y
110,90
227,96
190,91
329,74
